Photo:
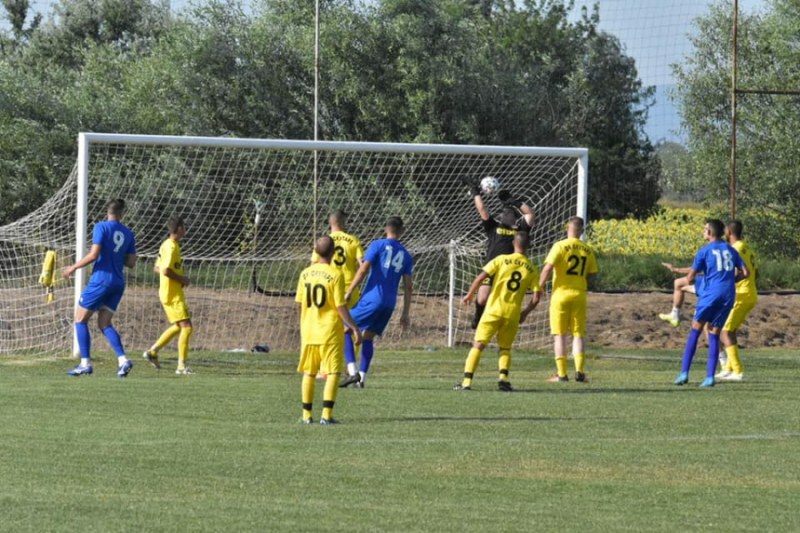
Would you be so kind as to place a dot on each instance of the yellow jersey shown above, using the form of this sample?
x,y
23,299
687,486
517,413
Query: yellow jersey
x,y
573,260
746,289
346,256
512,276
320,290
169,256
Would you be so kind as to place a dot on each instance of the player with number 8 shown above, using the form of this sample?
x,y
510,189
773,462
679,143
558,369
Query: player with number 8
x,y
572,262
513,276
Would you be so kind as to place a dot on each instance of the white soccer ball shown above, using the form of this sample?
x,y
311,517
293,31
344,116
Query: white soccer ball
x,y
490,185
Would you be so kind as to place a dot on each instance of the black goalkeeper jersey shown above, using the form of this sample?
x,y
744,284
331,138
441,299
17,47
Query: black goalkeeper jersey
x,y
501,238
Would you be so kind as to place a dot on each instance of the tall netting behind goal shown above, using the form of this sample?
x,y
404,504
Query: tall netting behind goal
x,y
253,209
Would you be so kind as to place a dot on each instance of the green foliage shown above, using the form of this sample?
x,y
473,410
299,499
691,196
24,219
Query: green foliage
x,y
456,71
222,450
767,142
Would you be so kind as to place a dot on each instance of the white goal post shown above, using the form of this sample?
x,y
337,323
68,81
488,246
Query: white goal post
x,y
254,207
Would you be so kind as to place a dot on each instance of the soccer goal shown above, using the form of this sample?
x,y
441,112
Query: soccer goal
x,y
253,210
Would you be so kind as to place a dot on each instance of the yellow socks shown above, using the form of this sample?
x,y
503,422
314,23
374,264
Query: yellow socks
x,y
183,346
473,359
734,363
504,363
329,395
307,395
165,337
580,360
561,366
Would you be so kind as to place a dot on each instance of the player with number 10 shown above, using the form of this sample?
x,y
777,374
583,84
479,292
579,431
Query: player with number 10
x,y
572,262
387,262
323,317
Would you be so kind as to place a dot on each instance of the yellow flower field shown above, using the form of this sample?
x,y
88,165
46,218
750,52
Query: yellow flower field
x,y
676,232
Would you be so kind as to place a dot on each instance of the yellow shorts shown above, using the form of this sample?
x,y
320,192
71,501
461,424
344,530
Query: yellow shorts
x,y
176,311
491,325
739,312
568,313
327,358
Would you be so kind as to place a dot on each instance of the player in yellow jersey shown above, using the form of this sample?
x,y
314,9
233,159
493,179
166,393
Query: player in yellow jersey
x,y
571,261
323,317
513,275
172,281
746,298
347,257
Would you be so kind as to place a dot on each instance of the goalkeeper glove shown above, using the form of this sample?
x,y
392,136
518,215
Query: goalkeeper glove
x,y
474,186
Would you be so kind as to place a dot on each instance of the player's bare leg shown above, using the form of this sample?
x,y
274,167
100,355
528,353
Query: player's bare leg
x,y
681,286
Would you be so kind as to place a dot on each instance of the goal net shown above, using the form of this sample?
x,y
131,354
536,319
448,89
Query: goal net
x,y
253,209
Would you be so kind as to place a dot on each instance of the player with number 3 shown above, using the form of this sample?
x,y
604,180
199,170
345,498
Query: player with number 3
x,y
572,262
387,262
721,266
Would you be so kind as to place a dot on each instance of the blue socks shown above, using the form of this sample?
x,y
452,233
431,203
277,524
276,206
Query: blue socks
x,y
690,349
349,348
114,340
713,355
84,339
367,351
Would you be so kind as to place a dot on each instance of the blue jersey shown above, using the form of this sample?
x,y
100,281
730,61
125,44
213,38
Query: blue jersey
x,y
116,241
389,262
717,261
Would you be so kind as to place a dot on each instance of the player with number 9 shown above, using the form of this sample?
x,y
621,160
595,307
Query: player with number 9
x,y
513,276
571,262
323,317
387,263
113,248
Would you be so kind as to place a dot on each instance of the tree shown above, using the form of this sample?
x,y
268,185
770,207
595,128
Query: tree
x,y
767,143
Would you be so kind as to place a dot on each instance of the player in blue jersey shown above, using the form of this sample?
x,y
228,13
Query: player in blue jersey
x,y
721,266
388,263
113,248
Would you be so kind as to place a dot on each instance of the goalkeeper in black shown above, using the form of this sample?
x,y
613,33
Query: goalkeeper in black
x,y
516,216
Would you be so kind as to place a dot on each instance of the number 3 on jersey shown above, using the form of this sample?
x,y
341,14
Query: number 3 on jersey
x,y
396,261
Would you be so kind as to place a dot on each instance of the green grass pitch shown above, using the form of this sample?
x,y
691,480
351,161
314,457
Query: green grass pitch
x,y
223,450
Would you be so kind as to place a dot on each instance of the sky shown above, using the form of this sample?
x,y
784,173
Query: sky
x,y
653,32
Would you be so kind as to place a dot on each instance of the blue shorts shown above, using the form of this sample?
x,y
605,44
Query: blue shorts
x,y
715,312
98,296
371,316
